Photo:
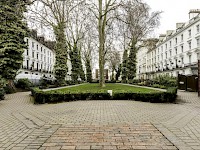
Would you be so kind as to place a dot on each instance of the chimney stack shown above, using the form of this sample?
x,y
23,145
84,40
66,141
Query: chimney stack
x,y
194,13
179,25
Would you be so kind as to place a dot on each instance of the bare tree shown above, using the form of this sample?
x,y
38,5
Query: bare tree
x,y
113,62
54,14
103,12
139,22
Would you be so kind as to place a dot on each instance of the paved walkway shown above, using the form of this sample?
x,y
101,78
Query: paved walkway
x,y
99,124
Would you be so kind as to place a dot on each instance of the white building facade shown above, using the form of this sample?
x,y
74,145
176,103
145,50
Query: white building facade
x,y
38,61
176,52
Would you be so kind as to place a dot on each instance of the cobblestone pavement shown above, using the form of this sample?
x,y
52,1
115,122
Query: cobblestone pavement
x,y
99,124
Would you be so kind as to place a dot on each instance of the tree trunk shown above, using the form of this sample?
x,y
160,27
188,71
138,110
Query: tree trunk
x,y
112,78
11,86
101,47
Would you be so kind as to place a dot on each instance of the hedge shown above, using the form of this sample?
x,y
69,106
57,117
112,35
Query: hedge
x,y
41,97
2,93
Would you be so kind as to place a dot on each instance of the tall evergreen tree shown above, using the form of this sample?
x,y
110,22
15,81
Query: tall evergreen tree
x,y
13,30
88,70
131,67
124,66
77,67
61,53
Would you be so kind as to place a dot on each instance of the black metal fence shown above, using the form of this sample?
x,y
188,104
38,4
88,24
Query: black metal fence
x,y
188,83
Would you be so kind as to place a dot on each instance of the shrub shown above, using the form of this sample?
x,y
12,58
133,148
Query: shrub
x,y
156,85
94,81
149,82
111,81
42,97
43,83
2,93
118,81
8,89
141,83
2,84
55,96
165,80
24,84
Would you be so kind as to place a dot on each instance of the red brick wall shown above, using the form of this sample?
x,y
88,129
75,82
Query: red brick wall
x,y
199,77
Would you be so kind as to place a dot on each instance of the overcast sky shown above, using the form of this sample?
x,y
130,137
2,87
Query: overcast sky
x,y
173,11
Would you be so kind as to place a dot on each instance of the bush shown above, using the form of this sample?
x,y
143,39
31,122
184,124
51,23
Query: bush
x,y
111,81
94,81
2,84
24,84
165,80
8,89
42,97
2,93
156,85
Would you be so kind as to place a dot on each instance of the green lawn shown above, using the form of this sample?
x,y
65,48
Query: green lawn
x,y
94,88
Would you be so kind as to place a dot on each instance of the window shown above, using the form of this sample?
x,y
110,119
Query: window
x,y
182,60
37,66
44,51
198,42
33,54
182,48
170,44
41,56
37,55
27,52
41,49
189,45
198,56
170,53
166,54
41,66
176,40
27,63
189,33
26,72
182,37
197,28
32,44
33,64
189,58
165,46
37,47
176,51
27,41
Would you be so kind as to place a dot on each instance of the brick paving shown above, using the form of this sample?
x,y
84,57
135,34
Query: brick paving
x,y
99,124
